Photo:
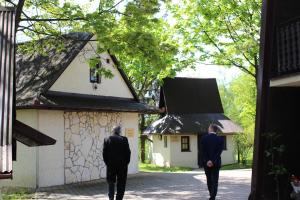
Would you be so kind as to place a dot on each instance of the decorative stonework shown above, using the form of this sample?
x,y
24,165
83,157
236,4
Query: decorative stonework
x,y
84,136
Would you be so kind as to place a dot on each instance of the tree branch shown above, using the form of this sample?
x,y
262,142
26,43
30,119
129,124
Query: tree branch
x,y
222,52
54,19
19,11
227,23
114,6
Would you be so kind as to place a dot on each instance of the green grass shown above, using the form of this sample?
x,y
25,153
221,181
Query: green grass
x,y
14,195
248,165
154,168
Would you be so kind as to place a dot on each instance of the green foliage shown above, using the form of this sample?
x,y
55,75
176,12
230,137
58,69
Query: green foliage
x,y
154,168
13,194
143,42
234,166
274,155
239,102
224,32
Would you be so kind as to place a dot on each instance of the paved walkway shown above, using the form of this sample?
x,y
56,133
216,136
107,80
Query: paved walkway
x,y
234,185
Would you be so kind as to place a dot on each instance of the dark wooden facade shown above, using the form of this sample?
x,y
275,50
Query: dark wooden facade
x,y
7,67
278,108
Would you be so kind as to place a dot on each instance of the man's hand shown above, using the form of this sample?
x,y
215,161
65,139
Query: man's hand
x,y
209,163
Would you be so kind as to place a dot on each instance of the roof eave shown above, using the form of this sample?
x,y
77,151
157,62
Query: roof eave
x,y
124,76
70,108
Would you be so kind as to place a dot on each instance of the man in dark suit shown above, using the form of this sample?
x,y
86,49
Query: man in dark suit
x,y
212,147
116,155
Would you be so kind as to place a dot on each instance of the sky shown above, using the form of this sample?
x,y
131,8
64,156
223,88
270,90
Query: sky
x,y
222,74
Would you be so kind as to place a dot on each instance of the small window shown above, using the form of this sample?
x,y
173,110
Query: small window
x,y
94,75
185,143
225,142
160,137
166,141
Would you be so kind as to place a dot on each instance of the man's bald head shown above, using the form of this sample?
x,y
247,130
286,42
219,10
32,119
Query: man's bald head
x,y
117,130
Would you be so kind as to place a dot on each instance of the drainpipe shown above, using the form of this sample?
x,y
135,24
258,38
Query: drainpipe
x,y
37,153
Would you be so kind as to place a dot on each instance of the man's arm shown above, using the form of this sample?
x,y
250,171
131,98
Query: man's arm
x,y
127,151
219,149
204,152
105,152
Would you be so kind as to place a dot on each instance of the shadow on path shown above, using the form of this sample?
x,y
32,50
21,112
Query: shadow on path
x,y
233,185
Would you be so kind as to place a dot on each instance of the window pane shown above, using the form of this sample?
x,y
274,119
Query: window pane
x,y
185,143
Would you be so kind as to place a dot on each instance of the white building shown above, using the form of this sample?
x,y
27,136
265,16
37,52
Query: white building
x,y
59,95
188,106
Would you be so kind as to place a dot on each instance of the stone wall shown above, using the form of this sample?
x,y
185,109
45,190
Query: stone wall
x,y
84,136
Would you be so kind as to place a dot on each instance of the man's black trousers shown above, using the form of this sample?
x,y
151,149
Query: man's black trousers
x,y
116,174
212,177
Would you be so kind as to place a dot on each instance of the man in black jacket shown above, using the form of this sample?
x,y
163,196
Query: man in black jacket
x,y
116,155
212,147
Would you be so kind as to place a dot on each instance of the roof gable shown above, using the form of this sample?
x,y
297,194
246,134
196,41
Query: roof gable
x,y
36,74
190,95
76,78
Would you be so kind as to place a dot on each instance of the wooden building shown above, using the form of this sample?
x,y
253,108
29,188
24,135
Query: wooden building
x,y
59,94
188,107
12,130
278,105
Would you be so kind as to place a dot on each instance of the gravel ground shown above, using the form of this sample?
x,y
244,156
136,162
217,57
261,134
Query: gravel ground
x,y
233,185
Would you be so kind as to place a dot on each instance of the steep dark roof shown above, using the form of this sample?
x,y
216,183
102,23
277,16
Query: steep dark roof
x,y
124,76
30,136
190,95
191,124
36,73
191,106
75,102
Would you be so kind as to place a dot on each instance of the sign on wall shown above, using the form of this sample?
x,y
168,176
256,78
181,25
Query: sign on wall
x,y
129,132
174,138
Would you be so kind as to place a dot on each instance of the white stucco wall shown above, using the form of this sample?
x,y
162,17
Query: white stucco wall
x,y
51,158
45,165
172,156
24,168
131,121
184,159
84,137
228,155
76,78
160,155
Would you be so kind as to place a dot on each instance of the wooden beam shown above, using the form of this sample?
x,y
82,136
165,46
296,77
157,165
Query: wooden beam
x,y
265,63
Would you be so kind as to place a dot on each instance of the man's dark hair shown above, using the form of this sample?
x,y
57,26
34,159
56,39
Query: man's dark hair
x,y
215,128
117,130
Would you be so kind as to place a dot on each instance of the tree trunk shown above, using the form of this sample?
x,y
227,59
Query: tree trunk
x,y
19,13
143,139
239,153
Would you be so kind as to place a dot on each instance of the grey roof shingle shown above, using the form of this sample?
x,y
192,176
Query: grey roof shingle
x,y
192,123
36,72
191,106
190,95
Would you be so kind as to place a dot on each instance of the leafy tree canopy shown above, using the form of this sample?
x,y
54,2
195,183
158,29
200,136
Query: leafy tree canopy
x,y
133,30
238,99
223,32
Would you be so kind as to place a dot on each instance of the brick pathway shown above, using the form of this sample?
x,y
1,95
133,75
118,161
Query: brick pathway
x,y
234,185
